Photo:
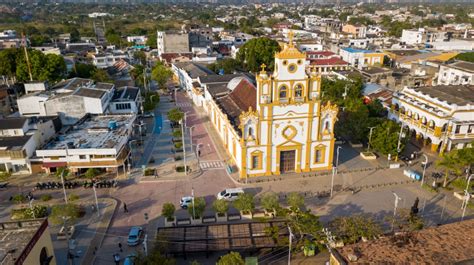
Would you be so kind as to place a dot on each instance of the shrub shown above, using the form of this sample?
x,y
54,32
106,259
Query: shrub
x,y
245,202
199,207
175,115
233,258
19,198
62,170
92,173
46,197
460,183
4,175
69,211
221,207
149,172
168,211
295,201
73,197
270,201
177,134
180,169
178,145
38,211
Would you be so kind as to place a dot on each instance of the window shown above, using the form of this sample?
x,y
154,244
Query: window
x,y
292,68
283,92
256,160
470,129
298,91
458,129
123,106
250,132
82,156
319,153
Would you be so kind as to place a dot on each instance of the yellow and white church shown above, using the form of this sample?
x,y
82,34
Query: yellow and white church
x,y
279,126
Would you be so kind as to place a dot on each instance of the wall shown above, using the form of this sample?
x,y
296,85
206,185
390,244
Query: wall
x,y
70,108
31,105
44,241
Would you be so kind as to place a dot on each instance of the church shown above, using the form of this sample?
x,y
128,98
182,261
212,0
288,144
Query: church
x,y
280,125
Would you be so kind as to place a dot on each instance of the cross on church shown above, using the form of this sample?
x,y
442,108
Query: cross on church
x,y
290,37
263,67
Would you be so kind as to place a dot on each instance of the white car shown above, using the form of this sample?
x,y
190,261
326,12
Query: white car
x,y
229,194
185,202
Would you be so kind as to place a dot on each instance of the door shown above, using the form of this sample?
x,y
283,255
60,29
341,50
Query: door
x,y
287,161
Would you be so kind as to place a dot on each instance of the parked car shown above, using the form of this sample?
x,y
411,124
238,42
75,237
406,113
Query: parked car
x,y
229,194
134,235
148,115
185,202
130,259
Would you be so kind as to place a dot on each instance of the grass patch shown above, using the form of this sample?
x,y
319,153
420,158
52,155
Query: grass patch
x,y
46,197
149,172
429,188
73,197
178,145
19,198
38,211
459,183
4,176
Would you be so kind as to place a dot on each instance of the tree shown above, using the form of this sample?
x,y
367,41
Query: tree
x,y
233,258
50,67
100,75
161,74
256,52
385,138
152,98
221,207
168,211
245,202
91,173
304,224
175,115
75,35
228,65
83,70
456,161
350,229
62,170
465,56
270,201
199,207
140,56
151,41
295,201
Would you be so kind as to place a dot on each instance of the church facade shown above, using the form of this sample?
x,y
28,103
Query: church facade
x,y
280,125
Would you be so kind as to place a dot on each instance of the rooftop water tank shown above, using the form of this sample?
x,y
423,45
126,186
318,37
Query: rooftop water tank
x,y
112,125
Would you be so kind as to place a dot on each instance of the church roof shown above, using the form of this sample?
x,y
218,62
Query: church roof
x,y
290,51
243,97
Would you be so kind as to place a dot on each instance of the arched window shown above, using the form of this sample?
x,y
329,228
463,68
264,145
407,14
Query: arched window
x,y
326,126
250,132
283,92
298,91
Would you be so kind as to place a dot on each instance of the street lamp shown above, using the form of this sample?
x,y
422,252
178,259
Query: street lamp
x,y
424,169
370,138
64,189
184,146
467,196
337,156
400,135
397,198
96,201
31,207
191,137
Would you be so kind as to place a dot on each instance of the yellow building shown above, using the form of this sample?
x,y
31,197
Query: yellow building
x,y
279,126
26,242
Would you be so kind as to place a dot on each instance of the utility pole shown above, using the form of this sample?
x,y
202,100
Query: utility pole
x,y
191,137
337,157
467,196
399,142
64,189
192,195
27,57
332,180
184,145
145,240
96,201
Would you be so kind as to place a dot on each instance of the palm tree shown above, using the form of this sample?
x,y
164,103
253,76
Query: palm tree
x,y
449,162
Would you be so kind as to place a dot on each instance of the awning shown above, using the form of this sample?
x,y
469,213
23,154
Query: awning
x,y
54,164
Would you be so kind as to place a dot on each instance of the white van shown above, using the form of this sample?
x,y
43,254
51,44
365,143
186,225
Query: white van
x,y
229,194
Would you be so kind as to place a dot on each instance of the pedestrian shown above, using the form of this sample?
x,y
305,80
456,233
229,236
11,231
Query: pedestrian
x,y
125,210
199,153
117,258
120,247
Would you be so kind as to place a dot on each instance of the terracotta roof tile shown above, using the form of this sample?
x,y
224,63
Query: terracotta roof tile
x,y
330,61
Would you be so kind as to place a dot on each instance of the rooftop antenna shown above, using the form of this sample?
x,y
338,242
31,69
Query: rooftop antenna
x,y
23,42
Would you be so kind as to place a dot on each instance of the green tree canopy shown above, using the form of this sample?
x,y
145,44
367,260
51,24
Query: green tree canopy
x,y
385,138
229,65
256,52
295,201
175,115
161,74
233,258
350,229
270,201
168,210
220,206
71,212
466,56
245,202
455,162
199,207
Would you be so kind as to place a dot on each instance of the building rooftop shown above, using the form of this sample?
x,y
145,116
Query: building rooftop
x,y
464,66
446,244
12,123
126,93
193,69
217,78
15,237
13,143
460,95
353,50
328,61
218,89
94,132
89,92
73,83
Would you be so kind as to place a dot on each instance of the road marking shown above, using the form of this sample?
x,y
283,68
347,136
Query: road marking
x,y
184,104
214,164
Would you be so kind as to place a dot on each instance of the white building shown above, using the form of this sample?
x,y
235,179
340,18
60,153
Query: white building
x,y
421,36
126,100
70,100
97,141
438,116
108,59
172,42
19,138
453,45
137,39
457,73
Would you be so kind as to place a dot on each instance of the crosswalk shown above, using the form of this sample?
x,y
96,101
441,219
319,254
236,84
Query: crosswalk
x,y
208,165
184,104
